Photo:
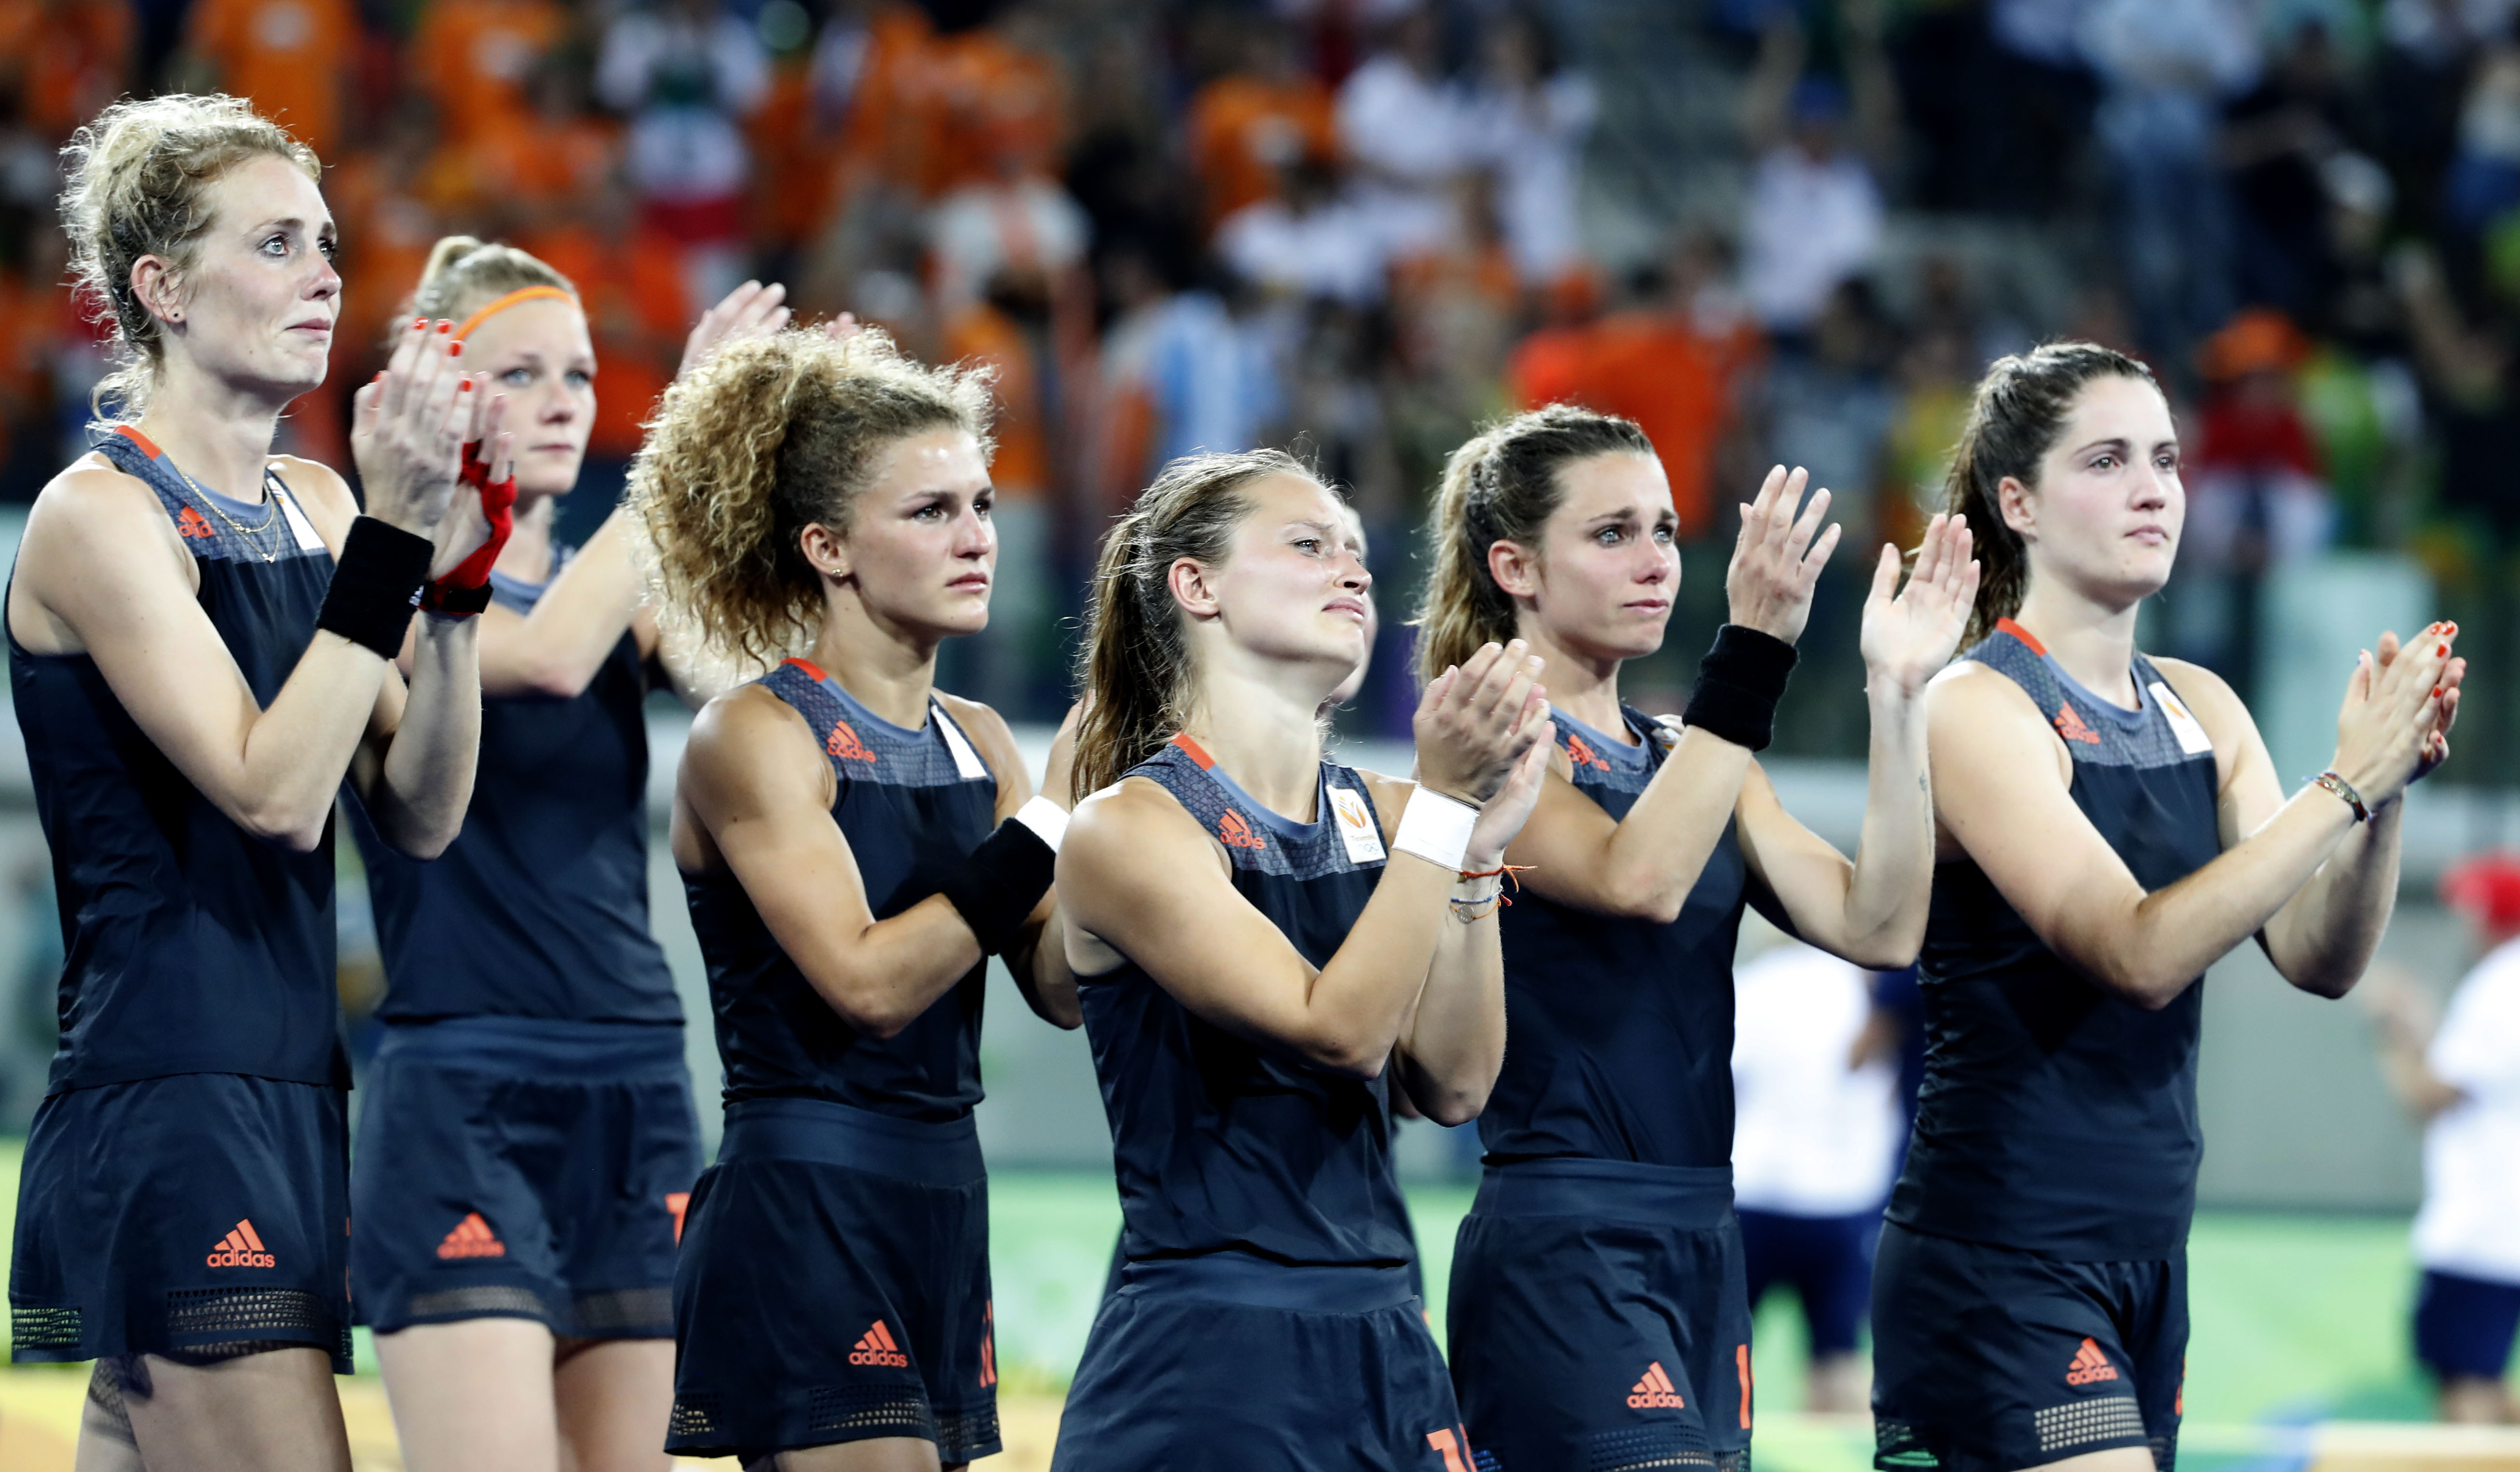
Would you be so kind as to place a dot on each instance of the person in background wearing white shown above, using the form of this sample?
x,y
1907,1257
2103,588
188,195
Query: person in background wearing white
x,y
686,72
1535,111
1815,1139
1410,131
2462,1078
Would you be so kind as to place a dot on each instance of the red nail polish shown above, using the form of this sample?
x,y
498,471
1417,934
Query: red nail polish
x,y
417,322
455,349
446,326
2441,648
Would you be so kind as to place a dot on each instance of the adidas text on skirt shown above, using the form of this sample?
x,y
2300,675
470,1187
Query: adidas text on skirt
x,y
1600,1318
1230,1362
523,1168
181,1213
833,1287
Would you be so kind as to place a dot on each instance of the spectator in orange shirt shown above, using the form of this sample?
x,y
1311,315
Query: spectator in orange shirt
x,y
1246,125
292,59
474,58
638,305
995,92
1671,363
520,173
66,58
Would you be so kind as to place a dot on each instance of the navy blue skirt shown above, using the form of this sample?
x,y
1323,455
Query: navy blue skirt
x,y
182,1213
521,1167
1599,1317
1230,1362
835,1286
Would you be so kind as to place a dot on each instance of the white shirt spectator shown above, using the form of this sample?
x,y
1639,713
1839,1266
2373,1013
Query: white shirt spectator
x,y
981,229
2168,64
1415,130
1410,137
2044,30
1811,1137
1811,223
2470,1220
684,85
1536,140
1338,248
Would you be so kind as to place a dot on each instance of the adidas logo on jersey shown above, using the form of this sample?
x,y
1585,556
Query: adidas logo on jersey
x,y
1580,751
843,744
193,524
1233,832
241,1248
472,1238
875,1347
2091,1366
2069,724
1654,1392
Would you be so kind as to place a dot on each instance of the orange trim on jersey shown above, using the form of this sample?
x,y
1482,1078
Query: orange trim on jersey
x,y
1194,750
140,439
520,294
2007,626
809,667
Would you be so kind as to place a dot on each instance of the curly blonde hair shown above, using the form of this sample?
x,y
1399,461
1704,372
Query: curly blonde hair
x,y
767,437
139,183
465,274
1501,486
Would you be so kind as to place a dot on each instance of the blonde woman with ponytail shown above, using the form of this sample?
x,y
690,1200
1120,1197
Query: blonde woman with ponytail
x,y
202,644
2107,827
855,845
1598,1316
527,1139
1263,940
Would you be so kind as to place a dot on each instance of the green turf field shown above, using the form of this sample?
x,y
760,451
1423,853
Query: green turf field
x,y
2297,1318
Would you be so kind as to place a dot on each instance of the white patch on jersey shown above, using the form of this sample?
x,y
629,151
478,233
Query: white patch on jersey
x,y
1356,825
2192,739
298,525
967,762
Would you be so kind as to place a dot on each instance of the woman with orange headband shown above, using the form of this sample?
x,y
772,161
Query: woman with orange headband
x,y
527,1137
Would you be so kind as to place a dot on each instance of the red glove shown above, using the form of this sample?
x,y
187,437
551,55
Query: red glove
x,y
466,587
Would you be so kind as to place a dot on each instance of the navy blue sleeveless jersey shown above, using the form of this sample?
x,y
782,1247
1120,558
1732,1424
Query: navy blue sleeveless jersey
x,y
911,803
539,909
1220,1144
2056,1117
1619,1031
191,946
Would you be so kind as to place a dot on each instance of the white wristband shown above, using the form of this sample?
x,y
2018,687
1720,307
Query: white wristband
x,y
1435,828
1046,820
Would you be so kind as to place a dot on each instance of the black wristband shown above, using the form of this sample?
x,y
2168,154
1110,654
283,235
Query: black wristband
x,y
1738,684
997,884
376,585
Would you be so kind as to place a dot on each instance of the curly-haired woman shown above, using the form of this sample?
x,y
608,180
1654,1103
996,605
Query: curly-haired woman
x,y
855,844
202,638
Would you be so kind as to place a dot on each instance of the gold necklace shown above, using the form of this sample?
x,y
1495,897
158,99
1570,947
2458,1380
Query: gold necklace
x,y
250,536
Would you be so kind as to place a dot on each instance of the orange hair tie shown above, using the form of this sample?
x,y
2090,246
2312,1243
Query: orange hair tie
x,y
521,293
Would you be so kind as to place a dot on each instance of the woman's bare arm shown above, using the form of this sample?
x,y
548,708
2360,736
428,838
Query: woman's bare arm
x,y
754,795
2001,791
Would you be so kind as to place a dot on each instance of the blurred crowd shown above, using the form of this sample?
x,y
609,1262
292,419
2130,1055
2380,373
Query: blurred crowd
x,y
1361,226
